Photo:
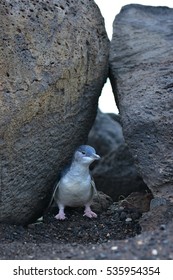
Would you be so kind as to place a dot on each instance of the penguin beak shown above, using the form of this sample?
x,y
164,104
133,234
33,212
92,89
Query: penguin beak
x,y
95,156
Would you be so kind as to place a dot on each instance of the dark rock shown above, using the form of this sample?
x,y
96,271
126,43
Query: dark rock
x,y
140,201
162,227
106,134
135,215
101,202
156,217
123,216
54,59
116,174
115,117
141,75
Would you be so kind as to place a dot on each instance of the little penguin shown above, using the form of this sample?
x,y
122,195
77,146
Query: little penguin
x,y
76,187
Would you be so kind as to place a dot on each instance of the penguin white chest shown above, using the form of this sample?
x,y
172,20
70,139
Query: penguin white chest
x,y
73,191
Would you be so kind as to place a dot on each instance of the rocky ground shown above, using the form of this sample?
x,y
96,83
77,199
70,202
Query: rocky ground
x,y
115,234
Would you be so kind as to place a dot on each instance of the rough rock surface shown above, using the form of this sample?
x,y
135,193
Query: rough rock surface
x,y
106,134
141,65
101,202
138,200
116,175
54,62
157,216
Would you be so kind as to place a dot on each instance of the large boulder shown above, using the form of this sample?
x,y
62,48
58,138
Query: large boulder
x,y
141,74
106,134
115,174
54,57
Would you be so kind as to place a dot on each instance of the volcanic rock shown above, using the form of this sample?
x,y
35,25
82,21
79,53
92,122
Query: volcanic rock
x,y
54,62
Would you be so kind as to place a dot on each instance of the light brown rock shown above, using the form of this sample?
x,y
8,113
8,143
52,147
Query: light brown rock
x,y
54,62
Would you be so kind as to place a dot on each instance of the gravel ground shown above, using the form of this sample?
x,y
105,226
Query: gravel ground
x,y
115,234
36,241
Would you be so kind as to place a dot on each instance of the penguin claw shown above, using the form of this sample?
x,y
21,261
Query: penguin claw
x,y
90,214
60,216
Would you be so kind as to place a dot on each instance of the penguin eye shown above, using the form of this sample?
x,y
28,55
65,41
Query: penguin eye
x,y
83,152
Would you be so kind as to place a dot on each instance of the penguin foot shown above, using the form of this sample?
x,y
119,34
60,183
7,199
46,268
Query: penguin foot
x,y
60,216
89,213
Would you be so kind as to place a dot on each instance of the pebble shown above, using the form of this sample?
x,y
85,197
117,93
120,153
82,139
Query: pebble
x,y
114,248
154,252
162,227
123,215
140,242
135,215
157,201
102,256
128,220
69,229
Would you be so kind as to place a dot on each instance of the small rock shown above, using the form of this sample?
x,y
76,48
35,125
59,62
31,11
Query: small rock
x,y
128,220
140,242
102,256
138,200
163,227
123,216
114,248
101,202
157,201
154,252
135,215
